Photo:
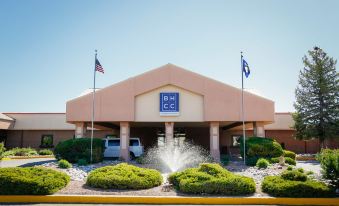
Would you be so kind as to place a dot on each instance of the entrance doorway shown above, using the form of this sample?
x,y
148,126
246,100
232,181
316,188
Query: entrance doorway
x,y
179,137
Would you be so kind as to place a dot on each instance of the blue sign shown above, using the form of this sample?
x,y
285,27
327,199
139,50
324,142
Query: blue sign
x,y
169,103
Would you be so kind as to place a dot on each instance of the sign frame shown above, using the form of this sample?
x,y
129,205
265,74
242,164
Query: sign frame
x,y
169,104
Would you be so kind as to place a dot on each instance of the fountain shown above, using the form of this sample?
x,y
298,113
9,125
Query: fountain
x,y
175,157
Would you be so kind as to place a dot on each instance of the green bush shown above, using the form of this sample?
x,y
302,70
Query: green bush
x,y
211,179
290,161
21,152
224,159
289,167
82,162
124,176
2,150
329,161
141,159
45,152
301,170
295,175
251,161
289,154
64,164
74,149
257,147
280,187
262,163
31,181
274,160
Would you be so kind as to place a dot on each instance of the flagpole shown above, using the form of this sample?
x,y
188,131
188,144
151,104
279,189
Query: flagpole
x,y
242,107
93,106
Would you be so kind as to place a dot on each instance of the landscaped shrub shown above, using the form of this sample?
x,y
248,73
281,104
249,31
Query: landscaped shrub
x,y
289,154
21,152
2,149
294,184
64,164
274,160
211,179
141,159
124,176
224,159
257,147
296,175
45,152
289,167
290,161
262,163
329,161
31,181
74,149
82,162
251,161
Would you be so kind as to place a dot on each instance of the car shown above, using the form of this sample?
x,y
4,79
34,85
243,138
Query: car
x,y
112,147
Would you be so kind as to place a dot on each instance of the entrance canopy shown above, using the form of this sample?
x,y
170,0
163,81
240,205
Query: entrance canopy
x,y
170,94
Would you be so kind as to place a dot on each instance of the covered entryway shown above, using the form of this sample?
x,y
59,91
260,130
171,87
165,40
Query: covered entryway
x,y
170,102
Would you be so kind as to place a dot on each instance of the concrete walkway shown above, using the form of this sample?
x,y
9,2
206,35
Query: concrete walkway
x,y
25,162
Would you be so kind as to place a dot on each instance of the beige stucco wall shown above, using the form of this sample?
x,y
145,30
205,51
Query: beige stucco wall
x,y
282,121
40,121
221,101
191,106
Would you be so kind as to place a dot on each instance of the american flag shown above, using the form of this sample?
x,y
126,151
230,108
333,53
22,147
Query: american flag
x,y
98,66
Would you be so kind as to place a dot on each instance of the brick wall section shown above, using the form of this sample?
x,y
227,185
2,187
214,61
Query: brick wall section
x,y
32,138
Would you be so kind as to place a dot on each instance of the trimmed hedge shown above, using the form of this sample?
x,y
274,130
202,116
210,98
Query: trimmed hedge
x,y
124,176
293,183
329,161
289,154
64,164
295,175
290,161
258,147
21,152
73,150
262,163
211,179
31,181
45,152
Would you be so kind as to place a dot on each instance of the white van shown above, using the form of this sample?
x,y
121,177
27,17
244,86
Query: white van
x,y
112,147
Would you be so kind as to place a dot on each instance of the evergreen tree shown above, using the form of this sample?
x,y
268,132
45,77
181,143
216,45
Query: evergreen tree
x,y
317,98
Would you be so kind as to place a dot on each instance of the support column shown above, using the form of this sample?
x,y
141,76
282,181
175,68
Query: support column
x,y
169,128
124,140
80,129
258,129
214,141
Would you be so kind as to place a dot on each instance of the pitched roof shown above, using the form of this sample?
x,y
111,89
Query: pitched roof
x,y
116,102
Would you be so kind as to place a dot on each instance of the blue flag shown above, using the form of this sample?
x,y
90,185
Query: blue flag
x,y
245,68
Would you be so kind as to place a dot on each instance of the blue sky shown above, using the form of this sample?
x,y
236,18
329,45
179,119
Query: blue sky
x,y
47,47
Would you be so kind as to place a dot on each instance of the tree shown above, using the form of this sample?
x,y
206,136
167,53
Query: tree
x,y
317,98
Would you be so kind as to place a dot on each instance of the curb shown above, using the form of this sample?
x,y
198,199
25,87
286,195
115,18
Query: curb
x,y
165,200
29,157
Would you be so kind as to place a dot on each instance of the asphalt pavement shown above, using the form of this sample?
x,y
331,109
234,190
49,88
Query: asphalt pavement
x,y
25,162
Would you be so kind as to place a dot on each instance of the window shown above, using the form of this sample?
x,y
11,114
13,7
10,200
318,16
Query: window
x,y
133,142
113,143
46,141
236,140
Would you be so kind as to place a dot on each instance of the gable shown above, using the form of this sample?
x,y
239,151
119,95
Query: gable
x,y
118,102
